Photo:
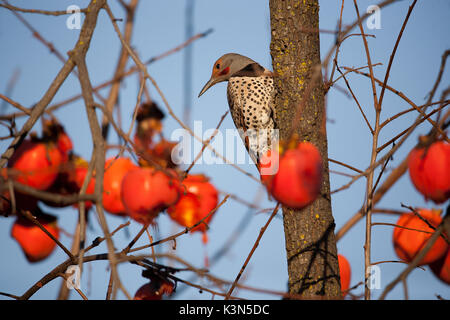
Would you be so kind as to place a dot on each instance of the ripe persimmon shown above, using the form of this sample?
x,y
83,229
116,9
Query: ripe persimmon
x,y
412,234
35,243
345,273
35,164
200,197
297,175
115,170
147,191
429,170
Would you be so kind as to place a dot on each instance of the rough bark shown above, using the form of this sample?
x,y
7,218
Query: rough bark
x,y
309,233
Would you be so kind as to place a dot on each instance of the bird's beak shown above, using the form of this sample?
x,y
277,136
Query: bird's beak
x,y
208,85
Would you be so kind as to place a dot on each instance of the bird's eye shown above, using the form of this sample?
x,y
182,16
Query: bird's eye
x,y
217,66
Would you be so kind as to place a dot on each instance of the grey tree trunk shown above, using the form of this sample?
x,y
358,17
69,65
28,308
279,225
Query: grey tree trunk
x,y
295,48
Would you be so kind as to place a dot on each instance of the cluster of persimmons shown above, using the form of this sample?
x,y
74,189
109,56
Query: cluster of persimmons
x,y
139,189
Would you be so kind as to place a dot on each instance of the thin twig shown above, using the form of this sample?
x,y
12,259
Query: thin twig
x,y
185,231
207,142
45,12
255,245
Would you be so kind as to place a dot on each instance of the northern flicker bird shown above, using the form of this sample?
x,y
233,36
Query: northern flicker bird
x,y
249,93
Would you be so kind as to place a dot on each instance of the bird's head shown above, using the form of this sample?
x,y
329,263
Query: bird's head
x,y
225,67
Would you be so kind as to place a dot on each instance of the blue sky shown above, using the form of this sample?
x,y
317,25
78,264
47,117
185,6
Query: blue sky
x,y
242,27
